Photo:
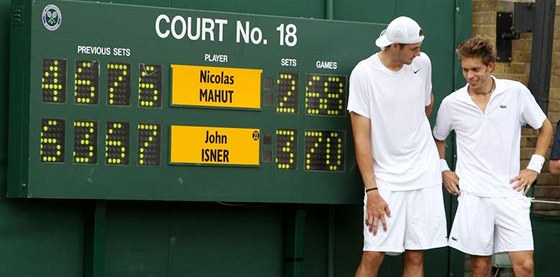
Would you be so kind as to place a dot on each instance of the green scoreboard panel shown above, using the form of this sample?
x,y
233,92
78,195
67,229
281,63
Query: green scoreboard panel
x,y
115,101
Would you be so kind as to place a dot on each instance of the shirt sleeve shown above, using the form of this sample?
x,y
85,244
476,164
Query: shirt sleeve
x,y
443,125
358,97
428,88
555,151
531,112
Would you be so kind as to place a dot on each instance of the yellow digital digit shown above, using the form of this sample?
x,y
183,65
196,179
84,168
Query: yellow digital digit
x,y
149,86
85,142
51,146
53,81
324,150
149,137
117,142
325,95
118,84
86,82
287,93
286,149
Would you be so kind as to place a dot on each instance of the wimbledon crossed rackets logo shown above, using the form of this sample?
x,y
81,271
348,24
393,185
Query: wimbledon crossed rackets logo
x,y
51,17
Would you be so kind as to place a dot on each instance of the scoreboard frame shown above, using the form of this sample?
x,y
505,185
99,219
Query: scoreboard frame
x,y
92,108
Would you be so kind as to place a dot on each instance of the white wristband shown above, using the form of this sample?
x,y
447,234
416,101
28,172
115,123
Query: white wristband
x,y
443,165
536,163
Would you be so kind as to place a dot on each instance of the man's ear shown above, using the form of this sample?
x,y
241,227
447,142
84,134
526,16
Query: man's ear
x,y
492,66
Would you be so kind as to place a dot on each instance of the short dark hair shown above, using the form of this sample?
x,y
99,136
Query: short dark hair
x,y
477,47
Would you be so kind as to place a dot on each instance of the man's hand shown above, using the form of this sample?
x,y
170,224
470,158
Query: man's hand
x,y
376,209
451,182
524,180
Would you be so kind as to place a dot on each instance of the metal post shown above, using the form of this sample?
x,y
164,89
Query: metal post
x,y
329,9
541,53
295,242
94,240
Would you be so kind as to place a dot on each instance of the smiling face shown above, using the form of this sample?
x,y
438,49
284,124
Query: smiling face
x,y
477,74
478,60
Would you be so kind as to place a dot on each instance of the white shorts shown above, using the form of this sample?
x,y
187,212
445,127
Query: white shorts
x,y
487,225
417,222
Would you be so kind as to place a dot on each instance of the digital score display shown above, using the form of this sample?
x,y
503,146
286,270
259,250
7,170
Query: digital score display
x,y
86,82
52,140
149,85
118,84
324,150
85,142
225,107
287,93
53,82
149,144
325,95
117,140
286,149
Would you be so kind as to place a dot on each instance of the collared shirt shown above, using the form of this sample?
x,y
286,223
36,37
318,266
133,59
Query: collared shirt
x,y
488,143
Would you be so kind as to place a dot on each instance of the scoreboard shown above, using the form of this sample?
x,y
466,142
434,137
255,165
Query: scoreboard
x,y
112,101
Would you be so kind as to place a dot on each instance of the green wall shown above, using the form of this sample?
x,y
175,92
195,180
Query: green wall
x,y
138,238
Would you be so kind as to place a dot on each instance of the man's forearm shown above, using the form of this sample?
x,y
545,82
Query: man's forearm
x,y
440,144
361,130
365,163
428,109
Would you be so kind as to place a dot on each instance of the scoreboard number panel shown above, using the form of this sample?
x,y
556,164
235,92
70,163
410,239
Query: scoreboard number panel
x,y
52,140
325,95
118,84
117,143
53,81
286,149
324,150
150,85
149,144
85,142
287,93
86,82
186,106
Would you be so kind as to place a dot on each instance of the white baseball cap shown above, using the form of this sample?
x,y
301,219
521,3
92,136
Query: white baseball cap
x,y
401,30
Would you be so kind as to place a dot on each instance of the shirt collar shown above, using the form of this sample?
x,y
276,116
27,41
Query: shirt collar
x,y
464,92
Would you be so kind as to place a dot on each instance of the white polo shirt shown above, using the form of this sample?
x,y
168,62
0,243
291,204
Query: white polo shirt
x,y
488,144
404,153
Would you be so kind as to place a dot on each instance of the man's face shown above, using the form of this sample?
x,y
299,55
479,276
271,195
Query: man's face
x,y
475,72
408,52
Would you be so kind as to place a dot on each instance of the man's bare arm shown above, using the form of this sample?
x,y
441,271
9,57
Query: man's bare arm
x,y
430,108
527,176
376,207
449,178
